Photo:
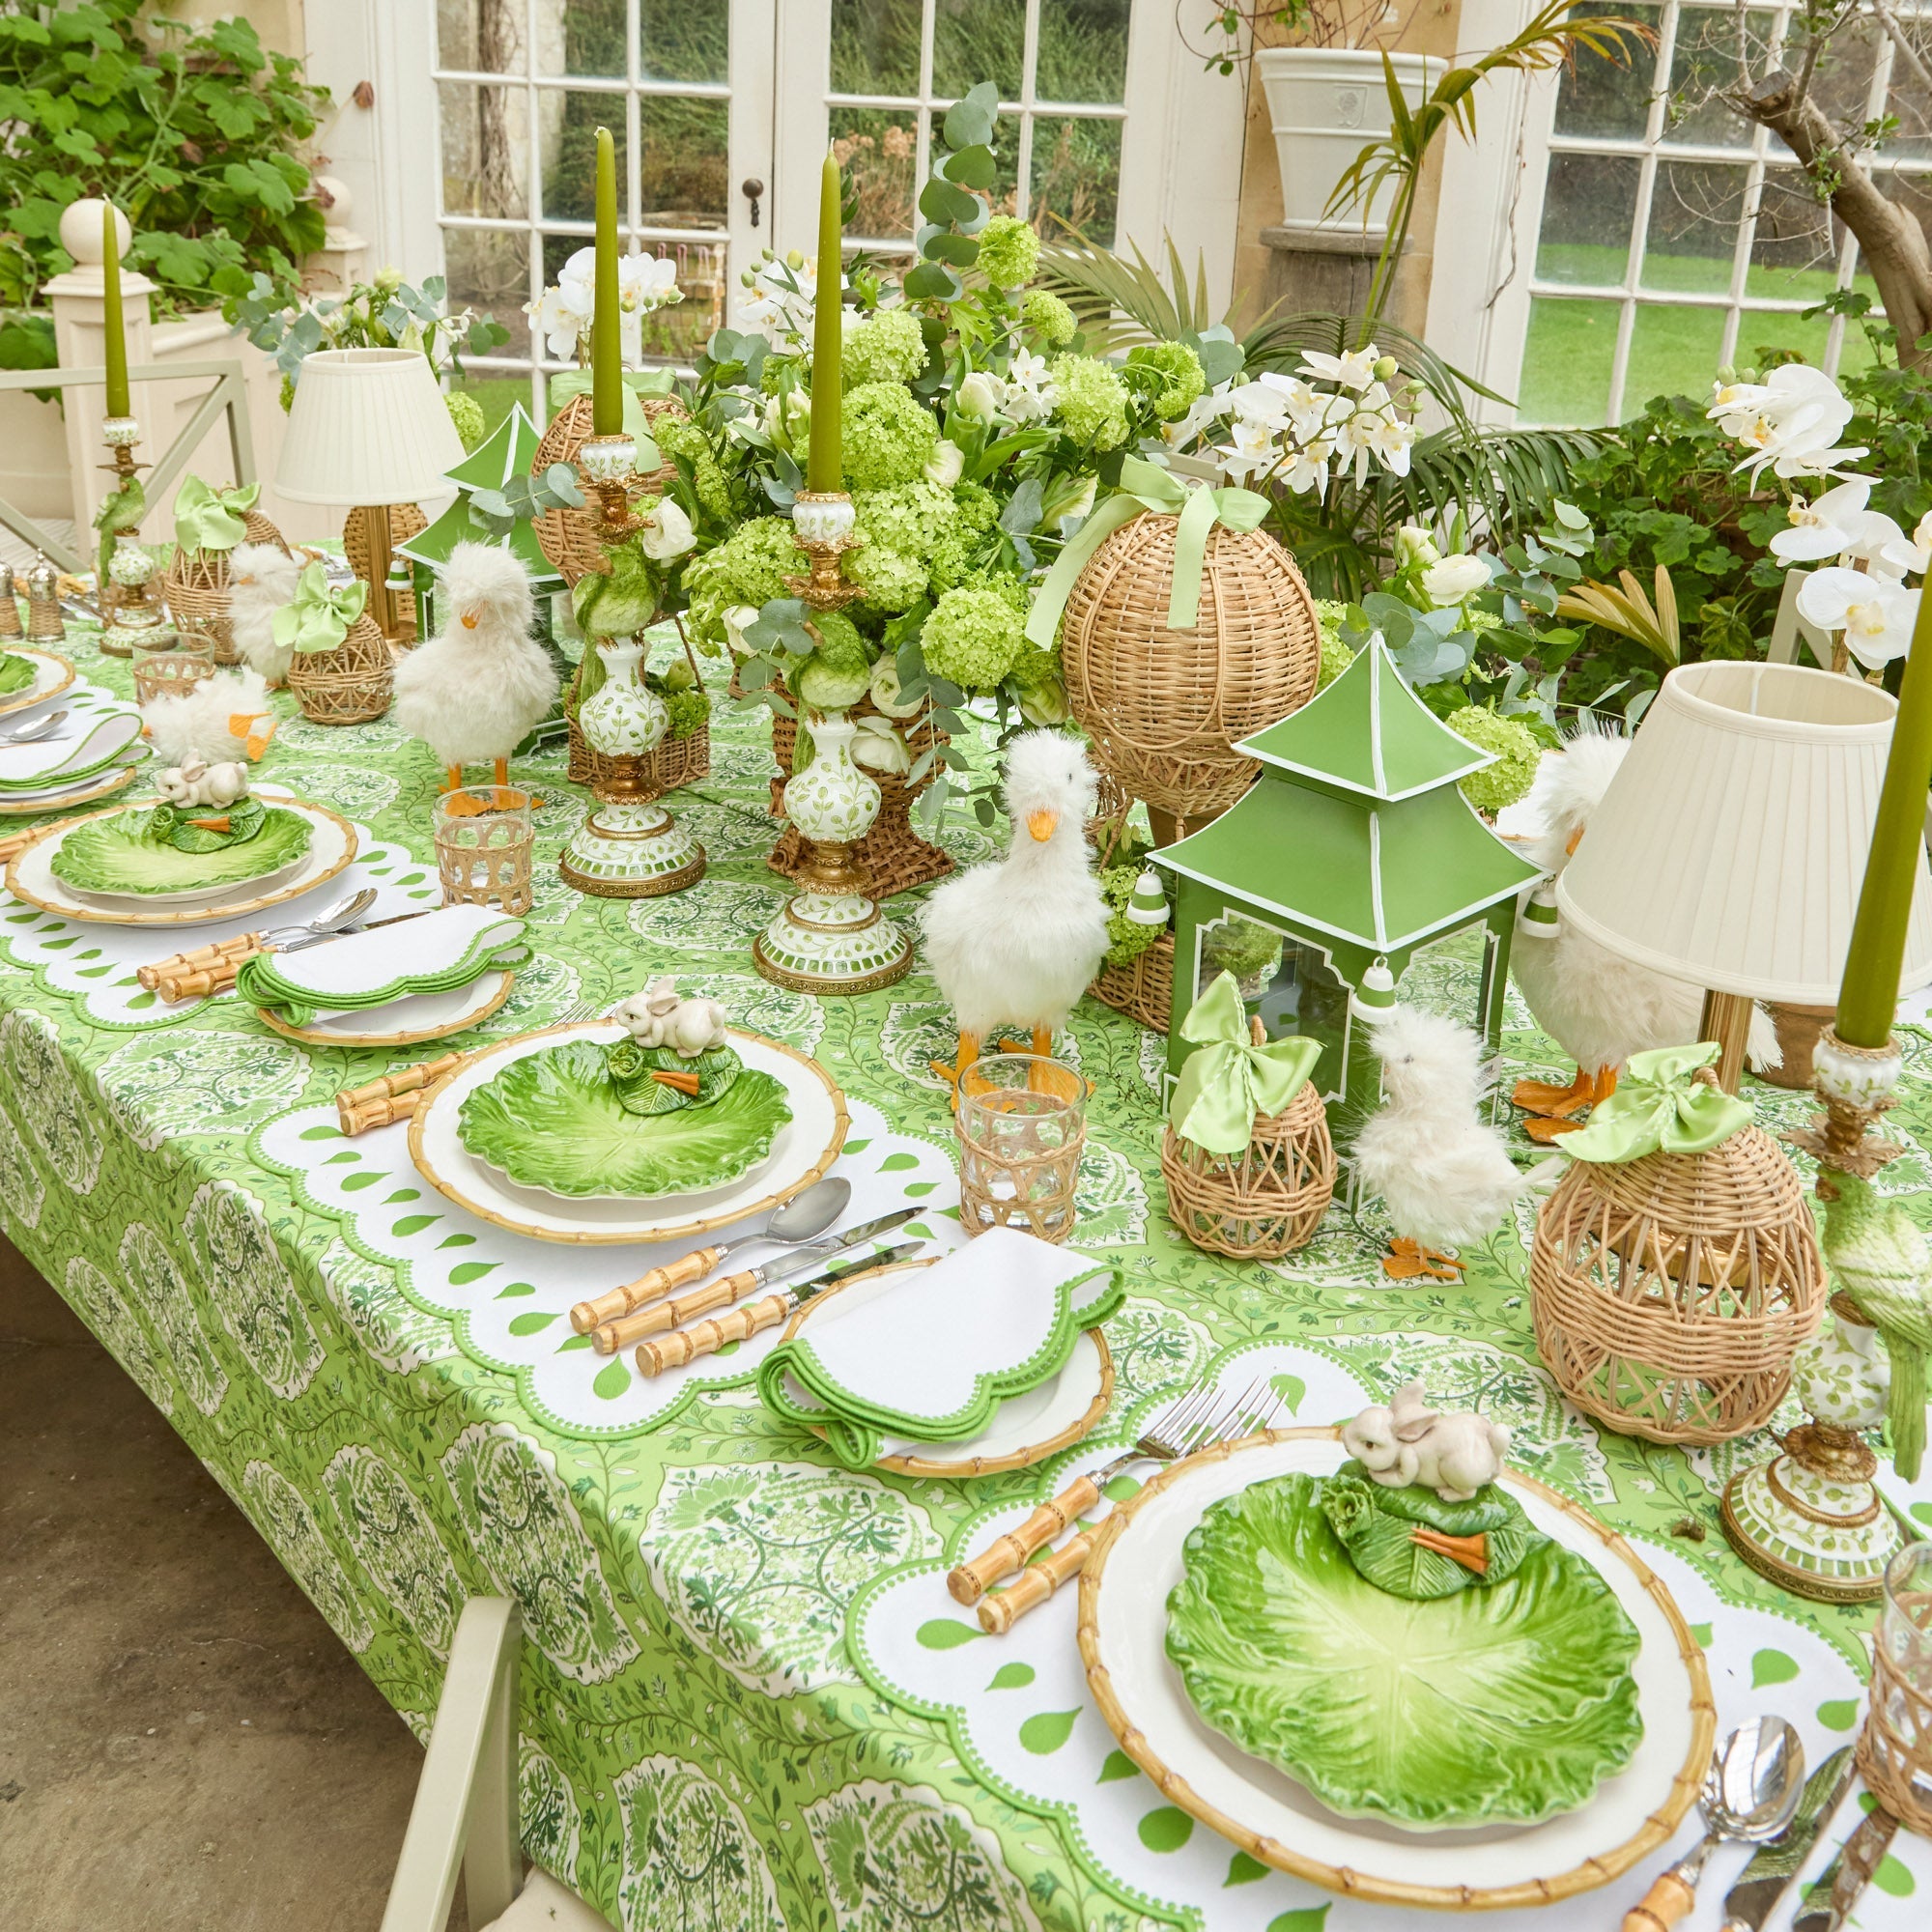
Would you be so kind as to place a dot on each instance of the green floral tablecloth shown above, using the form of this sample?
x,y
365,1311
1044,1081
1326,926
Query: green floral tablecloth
x,y
749,1701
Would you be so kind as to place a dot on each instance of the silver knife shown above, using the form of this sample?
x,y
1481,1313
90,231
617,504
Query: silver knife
x,y
1829,1903
1773,1865
607,1337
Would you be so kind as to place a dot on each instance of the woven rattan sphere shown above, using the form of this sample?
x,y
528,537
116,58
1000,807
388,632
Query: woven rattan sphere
x,y
349,685
195,585
1265,1202
1670,1292
1164,708
569,538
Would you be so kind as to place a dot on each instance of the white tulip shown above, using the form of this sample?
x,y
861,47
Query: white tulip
x,y
1455,577
947,463
981,394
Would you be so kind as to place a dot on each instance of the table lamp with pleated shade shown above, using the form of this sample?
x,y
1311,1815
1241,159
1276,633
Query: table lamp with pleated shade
x,y
369,430
1731,846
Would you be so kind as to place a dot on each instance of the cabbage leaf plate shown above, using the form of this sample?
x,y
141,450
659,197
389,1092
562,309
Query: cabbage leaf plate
x,y
115,856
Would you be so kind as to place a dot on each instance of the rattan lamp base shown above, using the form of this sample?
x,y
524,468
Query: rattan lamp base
x,y
631,849
832,944
1810,1520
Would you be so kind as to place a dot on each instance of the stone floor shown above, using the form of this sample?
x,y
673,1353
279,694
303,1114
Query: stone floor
x,y
184,1745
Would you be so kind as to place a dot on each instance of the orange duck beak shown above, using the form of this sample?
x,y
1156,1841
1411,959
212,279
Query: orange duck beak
x,y
1041,825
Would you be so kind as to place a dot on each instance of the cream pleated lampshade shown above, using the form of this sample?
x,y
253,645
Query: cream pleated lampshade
x,y
1731,846
367,426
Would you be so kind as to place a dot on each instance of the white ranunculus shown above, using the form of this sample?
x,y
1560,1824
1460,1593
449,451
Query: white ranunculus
x,y
879,747
1414,545
666,533
1456,577
946,465
1875,613
736,619
981,394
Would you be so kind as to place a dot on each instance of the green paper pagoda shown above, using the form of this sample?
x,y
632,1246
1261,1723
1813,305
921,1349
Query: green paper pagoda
x,y
1352,848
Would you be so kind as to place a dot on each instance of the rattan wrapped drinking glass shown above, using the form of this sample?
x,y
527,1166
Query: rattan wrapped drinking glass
x,y
1021,1123
483,847
1672,1291
169,670
1895,1747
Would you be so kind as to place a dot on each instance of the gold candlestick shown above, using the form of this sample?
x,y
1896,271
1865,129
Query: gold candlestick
x,y
120,434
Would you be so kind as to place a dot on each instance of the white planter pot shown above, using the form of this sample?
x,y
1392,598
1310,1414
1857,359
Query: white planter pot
x,y
1326,105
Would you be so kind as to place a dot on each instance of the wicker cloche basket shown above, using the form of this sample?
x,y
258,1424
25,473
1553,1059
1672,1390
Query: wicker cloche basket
x,y
1164,708
195,586
350,685
570,538
1670,1292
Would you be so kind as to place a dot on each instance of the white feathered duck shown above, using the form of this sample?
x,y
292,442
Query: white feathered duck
x,y
262,579
220,719
475,691
1443,1174
1599,1008
1015,941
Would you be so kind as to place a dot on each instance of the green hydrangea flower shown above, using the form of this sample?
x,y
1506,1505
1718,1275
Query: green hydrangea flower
x,y
466,414
1050,316
1517,753
885,348
960,553
679,435
1179,370
975,634
1009,251
1034,667
1126,938
1336,656
889,437
1091,401
688,709
748,567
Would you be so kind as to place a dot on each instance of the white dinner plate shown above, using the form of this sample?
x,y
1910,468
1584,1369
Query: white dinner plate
x,y
404,1022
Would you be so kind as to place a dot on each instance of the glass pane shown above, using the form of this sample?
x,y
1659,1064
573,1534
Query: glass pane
x,y
1695,210
874,46
570,124
685,162
1588,206
1766,339
485,150
1075,178
1566,362
877,147
496,390
1795,250
1674,351
1608,96
975,40
480,35
675,334
585,37
1083,50
1909,102
678,40
1705,63
489,271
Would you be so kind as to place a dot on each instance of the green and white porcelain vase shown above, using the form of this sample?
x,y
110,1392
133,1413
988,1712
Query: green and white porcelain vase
x,y
830,937
630,847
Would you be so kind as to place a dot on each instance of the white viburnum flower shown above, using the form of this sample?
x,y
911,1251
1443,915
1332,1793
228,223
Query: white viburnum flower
x,y
946,465
1352,369
666,533
1875,613
1825,527
1455,577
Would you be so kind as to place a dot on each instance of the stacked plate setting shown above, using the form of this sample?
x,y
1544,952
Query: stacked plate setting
x,y
85,761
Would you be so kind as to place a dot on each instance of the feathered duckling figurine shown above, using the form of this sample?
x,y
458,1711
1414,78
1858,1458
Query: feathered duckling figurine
x,y
1016,942
221,719
1598,1007
262,579
1883,1263
1443,1175
473,693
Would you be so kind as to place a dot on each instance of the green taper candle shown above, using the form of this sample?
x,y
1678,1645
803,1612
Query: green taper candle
x,y
1868,998
607,365
116,358
823,462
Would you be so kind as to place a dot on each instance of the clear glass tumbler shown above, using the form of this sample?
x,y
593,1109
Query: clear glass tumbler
x,y
1021,1123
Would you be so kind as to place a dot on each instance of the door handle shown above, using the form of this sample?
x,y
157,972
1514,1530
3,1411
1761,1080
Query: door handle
x,y
753,190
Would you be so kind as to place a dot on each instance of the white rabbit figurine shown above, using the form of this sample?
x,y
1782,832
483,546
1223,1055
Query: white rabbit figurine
x,y
198,782
645,1015
1455,1455
659,1017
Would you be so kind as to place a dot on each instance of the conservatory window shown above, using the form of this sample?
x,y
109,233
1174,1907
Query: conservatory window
x,y
1674,237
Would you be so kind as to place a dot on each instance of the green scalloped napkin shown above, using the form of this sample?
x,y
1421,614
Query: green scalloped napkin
x,y
934,1358
16,673
1506,1703
125,853
554,1119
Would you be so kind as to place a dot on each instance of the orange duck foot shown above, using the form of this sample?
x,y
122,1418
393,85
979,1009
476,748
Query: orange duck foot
x,y
1556,1103
1545,1132
1409,1260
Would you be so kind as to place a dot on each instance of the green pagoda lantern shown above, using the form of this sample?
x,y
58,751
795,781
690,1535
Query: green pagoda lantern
x,y
1351,873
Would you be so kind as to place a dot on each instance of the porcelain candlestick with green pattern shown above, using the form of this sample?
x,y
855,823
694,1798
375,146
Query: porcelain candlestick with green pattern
x,y
630,847
137,621
830,937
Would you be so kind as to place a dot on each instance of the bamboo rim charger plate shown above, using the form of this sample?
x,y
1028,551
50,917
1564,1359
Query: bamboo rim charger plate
x,y
421,1015
803,1153
30,878
1136,1560
51,676
1026,1430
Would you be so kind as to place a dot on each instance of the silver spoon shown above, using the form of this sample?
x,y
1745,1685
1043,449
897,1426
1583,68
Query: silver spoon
x,y
1754,1787
40,728
800,1217
325,926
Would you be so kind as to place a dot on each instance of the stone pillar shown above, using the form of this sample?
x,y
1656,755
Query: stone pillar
x,y
343,258
76,299
1332,269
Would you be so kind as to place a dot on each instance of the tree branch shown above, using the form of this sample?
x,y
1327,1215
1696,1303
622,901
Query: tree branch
x,y
1907,52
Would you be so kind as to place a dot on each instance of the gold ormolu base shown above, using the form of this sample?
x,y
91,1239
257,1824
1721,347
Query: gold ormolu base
x,y
830,868
633,888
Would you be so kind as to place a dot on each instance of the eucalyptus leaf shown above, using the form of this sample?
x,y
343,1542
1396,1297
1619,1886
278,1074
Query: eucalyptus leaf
x,y
961,250
939,201
781,626
973,166
969,121
933,281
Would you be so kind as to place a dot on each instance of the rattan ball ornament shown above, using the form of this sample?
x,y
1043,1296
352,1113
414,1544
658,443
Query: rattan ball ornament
x,y
349,685
195,585
1164,708
1670,1292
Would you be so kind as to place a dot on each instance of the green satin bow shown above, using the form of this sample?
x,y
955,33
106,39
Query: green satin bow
x,y
1145,486
569,383
1659,1108
210,519
319,617
1228,1080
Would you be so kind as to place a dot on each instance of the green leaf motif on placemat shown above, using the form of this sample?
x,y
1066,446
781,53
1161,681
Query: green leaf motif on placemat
x,y
554,1119
125,853
1509,1702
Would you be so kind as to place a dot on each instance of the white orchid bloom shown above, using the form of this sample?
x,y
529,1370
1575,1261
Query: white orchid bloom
x,y
947,463
1789,423
1258,403
1297,398
1908,553
981,394
557,322
1352,369
1392,440
647,282
667,533
1308,467
1252,451
1825,527
1875,613
1204,409
1456,577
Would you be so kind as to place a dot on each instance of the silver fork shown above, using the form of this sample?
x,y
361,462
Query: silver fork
x,y
1186,1427
325,925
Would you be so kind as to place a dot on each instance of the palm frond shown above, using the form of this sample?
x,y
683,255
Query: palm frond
x,y
1630,613
1120,302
